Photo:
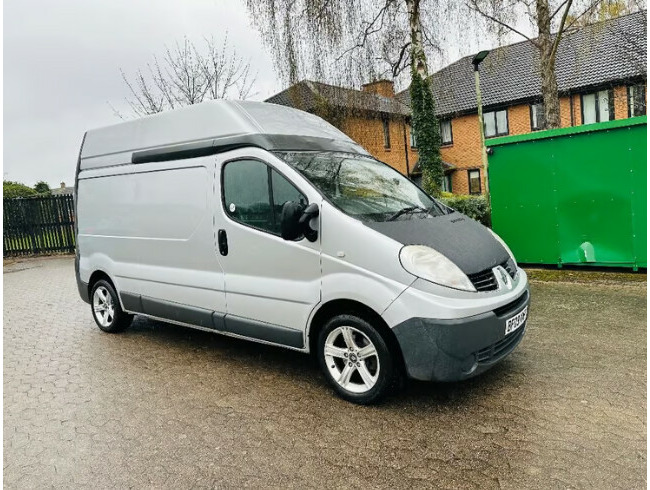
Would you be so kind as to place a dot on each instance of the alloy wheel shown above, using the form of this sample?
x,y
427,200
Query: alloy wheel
x,y
352,359
103,306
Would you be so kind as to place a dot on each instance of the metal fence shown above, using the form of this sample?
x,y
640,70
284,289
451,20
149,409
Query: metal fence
x,y
38,225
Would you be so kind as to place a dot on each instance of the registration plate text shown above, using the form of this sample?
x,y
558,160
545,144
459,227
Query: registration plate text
x,y
516,321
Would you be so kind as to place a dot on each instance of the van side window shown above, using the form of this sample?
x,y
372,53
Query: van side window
x,y
254,194
283,191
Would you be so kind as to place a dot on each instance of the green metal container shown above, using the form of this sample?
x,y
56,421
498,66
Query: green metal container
x,y
573,195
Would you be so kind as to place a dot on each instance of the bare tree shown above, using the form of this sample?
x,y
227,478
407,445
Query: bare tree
x,y
347,41
188,74
355,41
552,20
608,9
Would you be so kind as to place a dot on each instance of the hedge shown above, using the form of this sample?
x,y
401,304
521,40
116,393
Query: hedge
x,y
476,207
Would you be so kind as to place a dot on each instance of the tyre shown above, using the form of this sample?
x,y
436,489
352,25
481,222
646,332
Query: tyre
x,y
356,360
106,308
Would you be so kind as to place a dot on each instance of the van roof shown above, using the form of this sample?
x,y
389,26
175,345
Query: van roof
x,y
211,127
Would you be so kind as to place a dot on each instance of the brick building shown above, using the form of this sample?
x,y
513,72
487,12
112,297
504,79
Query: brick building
x,y
372,116
601,73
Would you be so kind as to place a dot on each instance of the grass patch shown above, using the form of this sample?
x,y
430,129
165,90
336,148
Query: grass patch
x,y
600,275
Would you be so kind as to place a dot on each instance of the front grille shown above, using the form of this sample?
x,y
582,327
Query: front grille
x,y
510,266
501,348
485,280
512,306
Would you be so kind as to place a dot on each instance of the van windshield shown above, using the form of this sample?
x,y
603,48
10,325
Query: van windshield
x,y
363,187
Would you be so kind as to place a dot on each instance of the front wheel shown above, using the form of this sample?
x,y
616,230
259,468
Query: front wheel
x,y
106,308
356,359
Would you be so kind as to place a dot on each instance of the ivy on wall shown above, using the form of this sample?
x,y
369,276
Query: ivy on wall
x,y
427,134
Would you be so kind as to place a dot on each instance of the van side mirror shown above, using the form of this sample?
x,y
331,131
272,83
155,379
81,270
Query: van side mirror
x,y
310,212
294,221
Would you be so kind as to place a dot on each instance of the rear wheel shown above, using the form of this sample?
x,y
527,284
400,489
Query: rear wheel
x,y
106,308
356,359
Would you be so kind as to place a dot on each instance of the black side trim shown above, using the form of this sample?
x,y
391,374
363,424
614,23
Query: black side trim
x,y
264,331
131,302
180,313
180,152
218,320
270,142
212,319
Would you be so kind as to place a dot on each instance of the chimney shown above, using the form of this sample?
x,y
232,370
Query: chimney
x,y
380,87
62,185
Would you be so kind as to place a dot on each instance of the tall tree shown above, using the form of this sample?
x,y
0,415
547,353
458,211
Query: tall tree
x,y
355,41
505,15
348,41
188,74
42,187
552,19
427,133
607,9
424,121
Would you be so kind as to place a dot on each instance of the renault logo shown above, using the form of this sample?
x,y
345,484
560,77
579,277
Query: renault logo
x,y
503,278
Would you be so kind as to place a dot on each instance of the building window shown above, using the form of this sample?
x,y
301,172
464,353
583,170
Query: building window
x,y
446,183
446,137
386,133
495,123
474,177
597,107
414,143
636,100
537,120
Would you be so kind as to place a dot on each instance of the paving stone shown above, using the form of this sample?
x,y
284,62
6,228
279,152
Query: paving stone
x,y
161,406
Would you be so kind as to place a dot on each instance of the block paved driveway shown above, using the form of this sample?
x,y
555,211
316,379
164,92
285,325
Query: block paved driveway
x,y
164,406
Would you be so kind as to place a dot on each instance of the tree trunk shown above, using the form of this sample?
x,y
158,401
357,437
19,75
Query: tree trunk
x,y
547,66
418,58
423,108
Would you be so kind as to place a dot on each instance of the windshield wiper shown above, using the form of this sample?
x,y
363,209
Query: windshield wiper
x,y
406,210
441,207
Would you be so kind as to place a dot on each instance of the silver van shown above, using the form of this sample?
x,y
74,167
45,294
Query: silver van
x,y
266,223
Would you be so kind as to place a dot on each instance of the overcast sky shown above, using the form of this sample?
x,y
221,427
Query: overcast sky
x,y
62,63
61,69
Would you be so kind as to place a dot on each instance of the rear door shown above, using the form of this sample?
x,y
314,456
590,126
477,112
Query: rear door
x,y
272,284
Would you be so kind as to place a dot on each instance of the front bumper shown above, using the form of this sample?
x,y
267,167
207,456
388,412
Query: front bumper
x,y
453,350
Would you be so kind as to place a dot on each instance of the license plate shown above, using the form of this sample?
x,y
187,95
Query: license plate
x,y
516,321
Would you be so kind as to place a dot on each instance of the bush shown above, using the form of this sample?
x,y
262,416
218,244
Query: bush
x,y
12,190
476,207
43,188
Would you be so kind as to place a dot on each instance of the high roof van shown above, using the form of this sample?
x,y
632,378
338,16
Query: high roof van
x,y
266,223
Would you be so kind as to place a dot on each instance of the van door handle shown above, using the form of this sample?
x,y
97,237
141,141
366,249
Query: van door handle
x,y
222,240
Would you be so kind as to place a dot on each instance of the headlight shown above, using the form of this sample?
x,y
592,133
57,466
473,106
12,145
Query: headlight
x,y
498,239
431,265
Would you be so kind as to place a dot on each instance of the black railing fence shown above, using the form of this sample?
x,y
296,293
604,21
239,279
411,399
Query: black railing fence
x,y
38,225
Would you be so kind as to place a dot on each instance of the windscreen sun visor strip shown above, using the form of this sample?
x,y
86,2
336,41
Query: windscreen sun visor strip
x,y
269,142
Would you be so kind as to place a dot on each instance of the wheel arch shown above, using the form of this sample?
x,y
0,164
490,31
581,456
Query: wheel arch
x,y
98,275
342,306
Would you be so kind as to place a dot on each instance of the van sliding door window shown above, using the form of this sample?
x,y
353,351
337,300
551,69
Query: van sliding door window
x,y
254,193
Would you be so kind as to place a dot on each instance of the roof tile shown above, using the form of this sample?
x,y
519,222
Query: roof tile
x,y
598,54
